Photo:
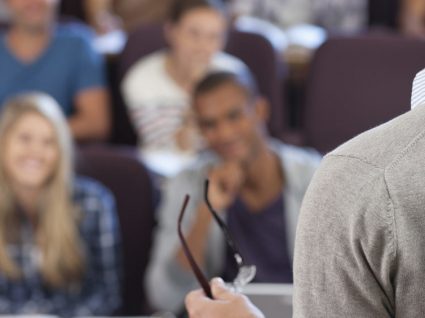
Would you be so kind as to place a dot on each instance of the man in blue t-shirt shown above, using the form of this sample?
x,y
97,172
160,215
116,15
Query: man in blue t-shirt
x,y
38,55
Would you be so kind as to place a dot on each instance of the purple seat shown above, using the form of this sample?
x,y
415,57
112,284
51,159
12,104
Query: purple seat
x,y
253,49
119,169
358,83
260,56
384,13
73,8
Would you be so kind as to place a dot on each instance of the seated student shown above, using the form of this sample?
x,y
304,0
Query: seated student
x,y
258,184
36,54
157,88
108,15
335,16
4,14
58,233
412,18
136,12
97,13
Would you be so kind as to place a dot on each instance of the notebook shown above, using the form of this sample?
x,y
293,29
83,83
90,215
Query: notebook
x,y
274,300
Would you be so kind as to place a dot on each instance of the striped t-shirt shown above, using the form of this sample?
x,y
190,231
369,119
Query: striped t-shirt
x,y
159,108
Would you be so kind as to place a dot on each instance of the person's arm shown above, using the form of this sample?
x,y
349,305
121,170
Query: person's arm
x,y
224,183
226,303
168,277
196,238
100,15
91,120
165,280
91,117
345,246
412,17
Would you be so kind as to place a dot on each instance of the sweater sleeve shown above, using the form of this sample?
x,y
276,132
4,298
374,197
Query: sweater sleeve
x,y
166,281
345,245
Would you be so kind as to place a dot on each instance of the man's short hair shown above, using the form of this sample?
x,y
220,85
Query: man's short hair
x,y
214,80
180,7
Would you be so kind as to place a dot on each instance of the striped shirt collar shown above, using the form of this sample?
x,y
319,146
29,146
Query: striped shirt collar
x,y
418,89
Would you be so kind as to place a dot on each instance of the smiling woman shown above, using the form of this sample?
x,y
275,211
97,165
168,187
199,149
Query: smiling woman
x,y
58,233
30,153
157,88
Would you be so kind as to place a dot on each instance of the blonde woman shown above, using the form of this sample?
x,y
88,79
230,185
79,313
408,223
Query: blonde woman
x,y
58,233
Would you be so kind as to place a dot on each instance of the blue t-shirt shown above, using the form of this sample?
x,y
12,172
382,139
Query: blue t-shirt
x,y
261,239
68,66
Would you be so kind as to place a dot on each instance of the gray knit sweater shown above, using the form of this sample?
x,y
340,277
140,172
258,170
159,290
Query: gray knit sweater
x,y
360,245
166,282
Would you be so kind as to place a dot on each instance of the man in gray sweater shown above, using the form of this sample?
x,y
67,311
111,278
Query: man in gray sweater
x,y
256,183
361,234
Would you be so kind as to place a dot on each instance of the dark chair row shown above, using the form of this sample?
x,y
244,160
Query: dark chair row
x,y
119,169
357,83
380,12
354,83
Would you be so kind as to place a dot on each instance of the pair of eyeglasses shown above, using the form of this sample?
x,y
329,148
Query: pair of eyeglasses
x,y
245,272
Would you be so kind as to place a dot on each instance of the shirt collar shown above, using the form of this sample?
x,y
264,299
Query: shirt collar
x,y
418,89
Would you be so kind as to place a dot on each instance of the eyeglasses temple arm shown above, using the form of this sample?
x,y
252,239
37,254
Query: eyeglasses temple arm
x,y
197,271
223,226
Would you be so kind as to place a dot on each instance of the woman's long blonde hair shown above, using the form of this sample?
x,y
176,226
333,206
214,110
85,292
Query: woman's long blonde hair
x,y
57,235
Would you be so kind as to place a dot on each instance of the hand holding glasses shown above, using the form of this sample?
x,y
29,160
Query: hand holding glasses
x,y
245,272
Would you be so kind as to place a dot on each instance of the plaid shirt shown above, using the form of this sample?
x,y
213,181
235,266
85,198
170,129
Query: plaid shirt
x,y
99,292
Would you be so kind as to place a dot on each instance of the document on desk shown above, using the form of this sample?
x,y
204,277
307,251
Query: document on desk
x,y
274,300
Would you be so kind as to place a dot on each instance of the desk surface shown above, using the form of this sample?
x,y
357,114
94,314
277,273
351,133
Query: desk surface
x,y
274,300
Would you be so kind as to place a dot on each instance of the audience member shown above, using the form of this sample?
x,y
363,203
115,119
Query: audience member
x,y
258,181
4,13
37,54
100,16
157,88
133,13
412,20
108,15
359,247
58,232
343,15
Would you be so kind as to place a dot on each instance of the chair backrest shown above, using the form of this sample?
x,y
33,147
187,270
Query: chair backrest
x,y
73,8
260,56
253,49
144,40
358,83
119,169
384,13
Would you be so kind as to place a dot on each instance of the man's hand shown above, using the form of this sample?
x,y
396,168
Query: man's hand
x,y
225,183
225,304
